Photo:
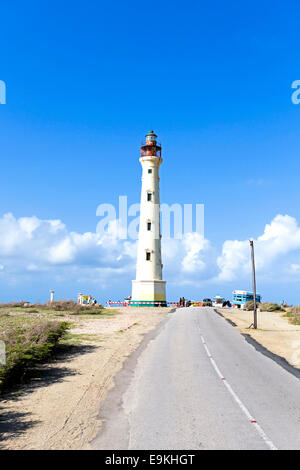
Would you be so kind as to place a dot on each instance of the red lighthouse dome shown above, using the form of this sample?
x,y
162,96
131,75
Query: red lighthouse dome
x,y
151,148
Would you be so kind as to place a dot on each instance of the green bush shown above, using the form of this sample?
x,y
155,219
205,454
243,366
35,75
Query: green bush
x,y
270,307
264,307
27,346
250,305
294,314
13,304
70,307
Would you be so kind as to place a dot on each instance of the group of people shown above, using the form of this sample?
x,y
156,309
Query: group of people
x,y
184,303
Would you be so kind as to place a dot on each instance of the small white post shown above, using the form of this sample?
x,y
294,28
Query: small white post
x,y
51,296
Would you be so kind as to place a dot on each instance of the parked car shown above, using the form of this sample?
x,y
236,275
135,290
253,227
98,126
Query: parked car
x,y
206,303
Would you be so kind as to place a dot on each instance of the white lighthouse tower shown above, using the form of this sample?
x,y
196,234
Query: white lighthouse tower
x,y
149,288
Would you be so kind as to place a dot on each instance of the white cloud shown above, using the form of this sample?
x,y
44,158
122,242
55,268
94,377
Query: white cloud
x,y
31,247
295,268
234,260
194,246
281,239
32,244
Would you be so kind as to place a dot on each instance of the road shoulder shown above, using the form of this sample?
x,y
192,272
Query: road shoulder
x,y
274,333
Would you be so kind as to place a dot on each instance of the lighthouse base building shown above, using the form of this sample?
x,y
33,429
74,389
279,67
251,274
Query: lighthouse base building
x,y
150,293
148,288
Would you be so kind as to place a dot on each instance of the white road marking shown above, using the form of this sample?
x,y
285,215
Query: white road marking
x,y
258,428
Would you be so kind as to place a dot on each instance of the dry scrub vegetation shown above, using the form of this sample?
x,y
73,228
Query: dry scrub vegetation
x,y
265,307
32,332
291,312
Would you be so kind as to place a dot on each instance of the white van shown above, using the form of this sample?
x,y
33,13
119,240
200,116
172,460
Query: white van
x,y
218,301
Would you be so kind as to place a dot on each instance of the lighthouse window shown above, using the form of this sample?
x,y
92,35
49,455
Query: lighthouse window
x,y
150,170
149,196
148,226
148,256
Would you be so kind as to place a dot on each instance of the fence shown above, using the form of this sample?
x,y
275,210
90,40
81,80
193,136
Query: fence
x,y
137,303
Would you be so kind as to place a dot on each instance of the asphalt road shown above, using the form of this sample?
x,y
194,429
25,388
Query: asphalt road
x,y
198,384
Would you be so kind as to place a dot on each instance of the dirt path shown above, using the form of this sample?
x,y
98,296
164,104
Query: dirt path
x,y
59,408
274,332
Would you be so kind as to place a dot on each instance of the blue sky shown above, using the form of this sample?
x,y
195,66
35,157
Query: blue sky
x,y
86,81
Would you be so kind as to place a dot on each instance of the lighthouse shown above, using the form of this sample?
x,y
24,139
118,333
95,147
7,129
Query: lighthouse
x,y
148,288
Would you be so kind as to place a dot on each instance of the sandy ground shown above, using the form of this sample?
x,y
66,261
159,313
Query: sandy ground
x,y
274,332
59,408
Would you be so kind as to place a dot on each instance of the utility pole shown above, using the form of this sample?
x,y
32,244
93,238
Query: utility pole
x,y
254,285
